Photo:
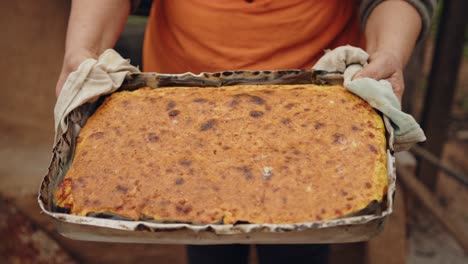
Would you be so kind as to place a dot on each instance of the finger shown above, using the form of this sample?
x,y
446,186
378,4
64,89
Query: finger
x,y
377,69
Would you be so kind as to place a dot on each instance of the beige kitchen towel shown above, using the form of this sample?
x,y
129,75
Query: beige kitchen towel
x,y
343,63
92,79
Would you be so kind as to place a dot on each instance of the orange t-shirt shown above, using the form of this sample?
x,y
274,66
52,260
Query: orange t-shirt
x,y
218,35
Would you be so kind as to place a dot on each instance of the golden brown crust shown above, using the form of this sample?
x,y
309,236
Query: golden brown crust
x,y
255,153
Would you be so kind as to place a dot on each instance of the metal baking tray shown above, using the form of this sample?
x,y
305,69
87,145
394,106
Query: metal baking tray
x,y
358,227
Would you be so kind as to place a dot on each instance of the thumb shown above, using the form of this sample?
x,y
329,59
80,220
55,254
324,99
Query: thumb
x,y
350,73
373,70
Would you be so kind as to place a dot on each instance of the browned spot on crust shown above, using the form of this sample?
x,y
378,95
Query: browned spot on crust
x,y
318,218
200,100
233,103
257,100
338,212
179,181
373,149
360,105
368,185
185,162
248,174
339,138
286,121
318,125
184,209
171,105
256,113
268,91
289,106
173,113
371,135
152,137
96,135
344,193
121,188
208,125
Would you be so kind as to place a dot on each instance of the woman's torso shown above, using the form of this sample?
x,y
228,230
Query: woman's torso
x,y
200,35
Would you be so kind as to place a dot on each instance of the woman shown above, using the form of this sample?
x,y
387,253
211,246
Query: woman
x,y
200,35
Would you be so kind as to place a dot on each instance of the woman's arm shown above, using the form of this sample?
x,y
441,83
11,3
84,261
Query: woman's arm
x,y
93,27
391,33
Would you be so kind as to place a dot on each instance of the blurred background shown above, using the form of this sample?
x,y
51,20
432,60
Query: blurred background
x,y
430,222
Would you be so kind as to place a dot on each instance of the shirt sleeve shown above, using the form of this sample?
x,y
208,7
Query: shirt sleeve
x,y
425,9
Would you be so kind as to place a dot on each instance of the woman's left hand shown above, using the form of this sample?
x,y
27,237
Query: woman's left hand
x,y
384,65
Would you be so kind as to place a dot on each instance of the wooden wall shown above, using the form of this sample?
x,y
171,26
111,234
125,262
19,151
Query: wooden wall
x,y
32,45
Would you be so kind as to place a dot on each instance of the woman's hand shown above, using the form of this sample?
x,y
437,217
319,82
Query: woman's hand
x,y
93,27
391,33
70,64
385,65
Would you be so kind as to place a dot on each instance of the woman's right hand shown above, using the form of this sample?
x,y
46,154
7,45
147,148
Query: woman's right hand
x,y
70,64
93,27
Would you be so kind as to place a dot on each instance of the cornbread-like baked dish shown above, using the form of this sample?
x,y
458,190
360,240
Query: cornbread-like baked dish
x,y
254,153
